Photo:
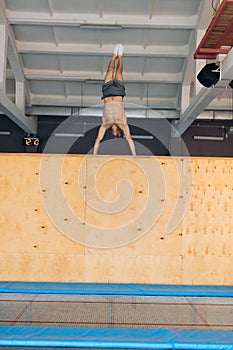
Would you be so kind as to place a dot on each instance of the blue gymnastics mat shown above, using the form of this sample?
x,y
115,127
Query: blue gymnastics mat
x,y
115,316
96,338
115,289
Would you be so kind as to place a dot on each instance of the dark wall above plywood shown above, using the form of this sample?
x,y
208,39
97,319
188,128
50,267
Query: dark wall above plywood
x,y
158,130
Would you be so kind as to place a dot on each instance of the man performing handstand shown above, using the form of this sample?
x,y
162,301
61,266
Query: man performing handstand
x,y
113,91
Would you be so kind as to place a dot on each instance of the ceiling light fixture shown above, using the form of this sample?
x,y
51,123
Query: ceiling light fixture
x,y
208,138
100,26
5,133
68,135
142,137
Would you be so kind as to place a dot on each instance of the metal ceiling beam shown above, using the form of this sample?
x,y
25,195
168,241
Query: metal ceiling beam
x,y
93,50
87,101
150,78
205,97
166,22
97,111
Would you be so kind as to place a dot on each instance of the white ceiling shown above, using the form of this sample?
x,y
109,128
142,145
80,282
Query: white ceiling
x,y
63,64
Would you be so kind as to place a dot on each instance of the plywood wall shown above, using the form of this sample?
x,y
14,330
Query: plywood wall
x,y
117,219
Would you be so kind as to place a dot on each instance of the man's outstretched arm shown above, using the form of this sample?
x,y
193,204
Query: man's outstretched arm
x,y
129,139
99,137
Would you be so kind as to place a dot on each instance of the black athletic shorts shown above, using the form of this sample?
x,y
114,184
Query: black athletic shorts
x,y
113,88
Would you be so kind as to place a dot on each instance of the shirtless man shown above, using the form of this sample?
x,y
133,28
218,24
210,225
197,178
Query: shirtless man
x,y
113,93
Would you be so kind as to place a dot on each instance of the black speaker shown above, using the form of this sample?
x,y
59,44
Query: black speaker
x,y
209,75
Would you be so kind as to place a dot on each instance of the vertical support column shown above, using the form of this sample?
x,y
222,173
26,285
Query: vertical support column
x,y
20,87
187,83
185,97
20,95
199,64
3,57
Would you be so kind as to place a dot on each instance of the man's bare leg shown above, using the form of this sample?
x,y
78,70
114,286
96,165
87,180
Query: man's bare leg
x,y
119,68
119,76
111,66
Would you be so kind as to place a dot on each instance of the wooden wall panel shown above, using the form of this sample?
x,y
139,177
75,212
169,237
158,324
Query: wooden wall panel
x,y
112,219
